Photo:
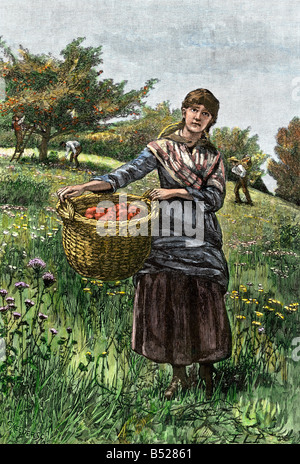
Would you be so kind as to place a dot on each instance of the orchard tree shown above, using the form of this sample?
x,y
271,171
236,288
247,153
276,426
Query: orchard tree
x,y
139,132
286,170
63,96
238,142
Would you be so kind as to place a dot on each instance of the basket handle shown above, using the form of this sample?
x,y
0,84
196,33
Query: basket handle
x,y
66,209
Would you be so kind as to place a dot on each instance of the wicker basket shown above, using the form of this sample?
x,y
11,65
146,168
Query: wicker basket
x,y
107,258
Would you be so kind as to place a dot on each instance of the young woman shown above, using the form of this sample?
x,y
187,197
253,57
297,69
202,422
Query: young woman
x,y
179,312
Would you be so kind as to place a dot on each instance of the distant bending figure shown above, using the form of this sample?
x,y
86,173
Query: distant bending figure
x,y
75,148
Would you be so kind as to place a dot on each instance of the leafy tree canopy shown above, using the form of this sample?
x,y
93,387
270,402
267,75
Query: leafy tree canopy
x,y
64,96
286,170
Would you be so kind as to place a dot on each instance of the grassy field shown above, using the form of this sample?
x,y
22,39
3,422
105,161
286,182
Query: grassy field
x,y
67,372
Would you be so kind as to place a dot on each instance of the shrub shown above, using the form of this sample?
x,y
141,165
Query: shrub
x,y
8,140
23,191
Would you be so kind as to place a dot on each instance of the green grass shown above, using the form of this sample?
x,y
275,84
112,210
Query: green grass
x,y
91,388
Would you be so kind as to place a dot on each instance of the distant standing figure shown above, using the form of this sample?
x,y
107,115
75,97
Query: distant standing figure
x,y
76,150
240,169
17,126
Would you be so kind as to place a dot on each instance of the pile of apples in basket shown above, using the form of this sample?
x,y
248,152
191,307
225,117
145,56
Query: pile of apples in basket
x,y
118,212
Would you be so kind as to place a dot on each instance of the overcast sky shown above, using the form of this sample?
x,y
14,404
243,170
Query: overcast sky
x,y
245,52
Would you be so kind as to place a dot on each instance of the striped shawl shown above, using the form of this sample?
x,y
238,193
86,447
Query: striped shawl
x,y
196,168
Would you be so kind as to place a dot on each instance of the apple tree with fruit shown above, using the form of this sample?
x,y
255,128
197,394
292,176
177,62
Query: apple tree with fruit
x,y
64,96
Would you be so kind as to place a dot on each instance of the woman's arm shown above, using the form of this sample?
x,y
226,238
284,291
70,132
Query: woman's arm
x,y
77,190
119,178
166,194
214,191
212,197
131,171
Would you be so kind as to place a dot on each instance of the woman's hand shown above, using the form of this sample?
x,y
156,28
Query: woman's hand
x,y
70,191
166,194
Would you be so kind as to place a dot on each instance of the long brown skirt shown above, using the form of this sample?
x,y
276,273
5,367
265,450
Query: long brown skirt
x,y
180,319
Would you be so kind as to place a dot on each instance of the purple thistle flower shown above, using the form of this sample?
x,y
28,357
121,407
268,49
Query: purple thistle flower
x,y
48,279
29,303
3,309
43,316
16,315
36,263
53,331
10,299
21,285
69,330
12,306
3,292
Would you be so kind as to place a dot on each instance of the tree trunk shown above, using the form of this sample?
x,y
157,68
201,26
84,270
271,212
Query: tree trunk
x,y
44,145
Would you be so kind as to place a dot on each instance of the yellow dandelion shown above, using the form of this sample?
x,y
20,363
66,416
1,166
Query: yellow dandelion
x,y
88,353
87,290
110,293
291,308
240,317
256,323
259,314
121,292
279,315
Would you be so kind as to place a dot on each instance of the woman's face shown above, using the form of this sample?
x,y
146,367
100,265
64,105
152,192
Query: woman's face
x,y
197,118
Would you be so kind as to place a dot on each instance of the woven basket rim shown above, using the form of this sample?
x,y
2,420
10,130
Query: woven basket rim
x,y
78,218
